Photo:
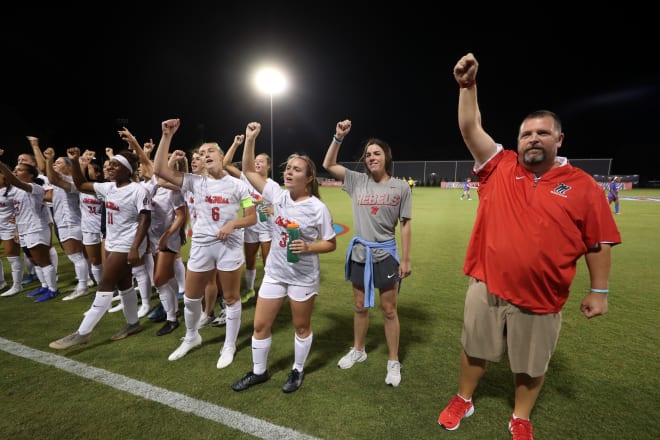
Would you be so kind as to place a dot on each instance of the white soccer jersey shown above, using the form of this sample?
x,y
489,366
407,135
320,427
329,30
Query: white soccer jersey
x,y
189,198
46,186
91,210
31,212
315,222
66,205
122,209
164,202
7,196
256,197
216,201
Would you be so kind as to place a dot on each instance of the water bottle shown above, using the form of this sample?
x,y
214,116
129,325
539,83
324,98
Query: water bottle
x,y
293,232
263,217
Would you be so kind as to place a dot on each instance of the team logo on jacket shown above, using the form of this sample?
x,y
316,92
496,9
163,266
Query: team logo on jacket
x,y
561,189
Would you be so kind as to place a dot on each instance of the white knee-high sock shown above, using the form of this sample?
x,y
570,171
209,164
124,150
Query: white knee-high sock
x,y
97,271
101,304
250,276
54,258
129,300
149,266
40,275
175,294
301,347
16,269
192,312
29,266
165,294
233,323
260,350
81,267
180,274
144,283
50,276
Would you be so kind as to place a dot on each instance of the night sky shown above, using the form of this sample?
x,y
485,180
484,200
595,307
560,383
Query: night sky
x,y
73,77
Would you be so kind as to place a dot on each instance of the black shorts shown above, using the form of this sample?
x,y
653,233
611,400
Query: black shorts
x,y
386,273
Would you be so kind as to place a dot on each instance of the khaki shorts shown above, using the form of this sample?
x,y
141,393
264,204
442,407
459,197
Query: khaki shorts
x,y
493,326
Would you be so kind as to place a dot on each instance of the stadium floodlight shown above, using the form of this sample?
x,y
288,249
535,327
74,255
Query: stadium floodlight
x,y
272,81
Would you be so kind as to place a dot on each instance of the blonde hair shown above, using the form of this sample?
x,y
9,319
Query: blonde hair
x,y
313,186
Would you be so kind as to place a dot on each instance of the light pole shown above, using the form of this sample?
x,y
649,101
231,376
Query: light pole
x,y
272,152
271,80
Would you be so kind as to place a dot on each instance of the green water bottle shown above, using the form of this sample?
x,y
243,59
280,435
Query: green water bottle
x,y
263,217
293,231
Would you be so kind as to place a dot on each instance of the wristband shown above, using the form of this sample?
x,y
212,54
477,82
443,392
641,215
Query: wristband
x,y
469,84
599,290
336,139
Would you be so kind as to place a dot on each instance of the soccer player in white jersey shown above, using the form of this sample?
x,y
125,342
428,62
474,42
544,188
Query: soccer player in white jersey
x,y
257,237
300,281
33,271
143,273
168,216
198,166
68,218
92,212
32,222
127,222
9,238
217,242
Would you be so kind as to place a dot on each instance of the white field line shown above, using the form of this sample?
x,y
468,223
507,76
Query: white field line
x,y
210,411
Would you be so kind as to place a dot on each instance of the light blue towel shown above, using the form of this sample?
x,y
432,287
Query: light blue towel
x,y
369,289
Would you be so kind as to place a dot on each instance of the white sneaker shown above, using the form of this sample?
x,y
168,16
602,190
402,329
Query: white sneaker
x,y
204,320
220,320
226,356
351,358
70,340
115,298
76,293
3,285
393,373
90,283
15,289
118,308
185,347
143,310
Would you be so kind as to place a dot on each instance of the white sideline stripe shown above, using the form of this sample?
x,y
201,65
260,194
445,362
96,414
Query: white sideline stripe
x,y
233,419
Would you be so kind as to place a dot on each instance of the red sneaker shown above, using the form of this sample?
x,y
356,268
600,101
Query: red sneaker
x,y
450,417
521,429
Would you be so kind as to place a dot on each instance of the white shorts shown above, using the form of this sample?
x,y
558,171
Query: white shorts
x,y
173,243
91,238
7,231
258,234
123,248
273,289
215,256
32,239
70,233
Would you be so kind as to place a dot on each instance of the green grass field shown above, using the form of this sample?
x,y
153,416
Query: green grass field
x,y
603,381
